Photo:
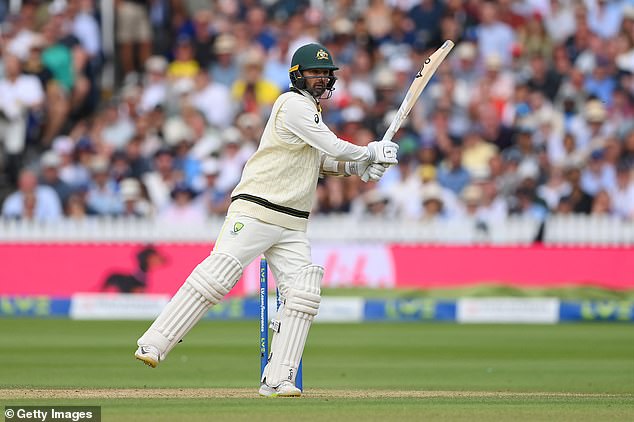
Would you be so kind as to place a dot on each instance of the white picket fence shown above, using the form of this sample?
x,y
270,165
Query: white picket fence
x,y
557,230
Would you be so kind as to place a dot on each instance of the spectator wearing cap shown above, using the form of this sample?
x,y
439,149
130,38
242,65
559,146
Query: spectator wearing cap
x,y
622,195
32,200
182,208
133,33
214,100
21,95
433,202
225,68
49,175
451,174
251,91
155,87
184,64
464,63
372,203
211,198
232,159
470,201
590,124
598,175
102,194
134,205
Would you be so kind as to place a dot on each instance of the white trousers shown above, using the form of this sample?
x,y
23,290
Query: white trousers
x,y
13,134
246,238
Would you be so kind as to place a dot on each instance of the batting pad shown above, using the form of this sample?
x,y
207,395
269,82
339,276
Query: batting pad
x,y
299,310
208,283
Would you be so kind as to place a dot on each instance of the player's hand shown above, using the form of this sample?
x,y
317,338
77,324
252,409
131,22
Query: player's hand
x,y
374,172
383,152
369,172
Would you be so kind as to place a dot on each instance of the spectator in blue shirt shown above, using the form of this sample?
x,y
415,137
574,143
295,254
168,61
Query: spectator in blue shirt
x,y
451,174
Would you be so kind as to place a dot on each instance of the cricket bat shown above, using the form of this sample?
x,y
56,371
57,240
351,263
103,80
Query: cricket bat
x,y
421,80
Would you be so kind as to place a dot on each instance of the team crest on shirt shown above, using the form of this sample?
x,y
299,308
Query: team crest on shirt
x,y
317,118
322,55
237,227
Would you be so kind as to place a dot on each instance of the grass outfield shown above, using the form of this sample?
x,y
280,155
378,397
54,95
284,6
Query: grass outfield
x,y
375,371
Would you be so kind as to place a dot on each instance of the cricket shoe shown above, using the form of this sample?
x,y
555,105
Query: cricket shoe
x,y
149,355
285,389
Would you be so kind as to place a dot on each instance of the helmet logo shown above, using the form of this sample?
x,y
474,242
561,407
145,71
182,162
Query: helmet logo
x,y
322,55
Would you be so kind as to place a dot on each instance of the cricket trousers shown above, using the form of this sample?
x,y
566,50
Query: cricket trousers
x,y
245,238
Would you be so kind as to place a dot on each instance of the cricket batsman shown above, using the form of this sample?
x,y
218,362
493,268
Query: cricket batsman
x,y
268,215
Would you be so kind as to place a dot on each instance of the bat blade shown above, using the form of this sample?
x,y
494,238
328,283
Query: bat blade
x,y
421,80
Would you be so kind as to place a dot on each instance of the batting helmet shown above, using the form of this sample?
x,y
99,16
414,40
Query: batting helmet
x,y
311,56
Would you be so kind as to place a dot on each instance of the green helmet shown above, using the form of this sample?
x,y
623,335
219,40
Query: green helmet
x,y
311,56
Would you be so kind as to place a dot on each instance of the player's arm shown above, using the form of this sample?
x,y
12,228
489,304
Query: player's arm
x,y
303,121
331,167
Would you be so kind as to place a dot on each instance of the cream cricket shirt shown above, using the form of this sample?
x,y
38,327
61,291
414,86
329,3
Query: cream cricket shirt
x,y
279,181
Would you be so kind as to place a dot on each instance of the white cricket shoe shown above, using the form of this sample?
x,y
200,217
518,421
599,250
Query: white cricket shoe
x,y
285,389
149,355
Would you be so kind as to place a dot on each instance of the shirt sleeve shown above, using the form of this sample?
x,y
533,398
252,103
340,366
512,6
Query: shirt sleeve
x,y
303,120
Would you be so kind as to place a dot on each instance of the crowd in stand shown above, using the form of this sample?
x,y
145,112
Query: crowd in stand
x,y
532,114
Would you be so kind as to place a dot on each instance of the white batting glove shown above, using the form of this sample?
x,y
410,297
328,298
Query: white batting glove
x,y
374,172
369,172
383,152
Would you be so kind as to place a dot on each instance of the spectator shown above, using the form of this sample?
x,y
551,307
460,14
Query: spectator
x,y
155,86
601,204
622,195
211,198
433,204
49,168
495,38
32,201
598,175
182,209
161,181
225,69
133,33
451,174
184,64
102,195
213,99
579,201
22,94
251,92
134,205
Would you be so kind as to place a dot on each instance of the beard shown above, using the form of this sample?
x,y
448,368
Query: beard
x,y
317,90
